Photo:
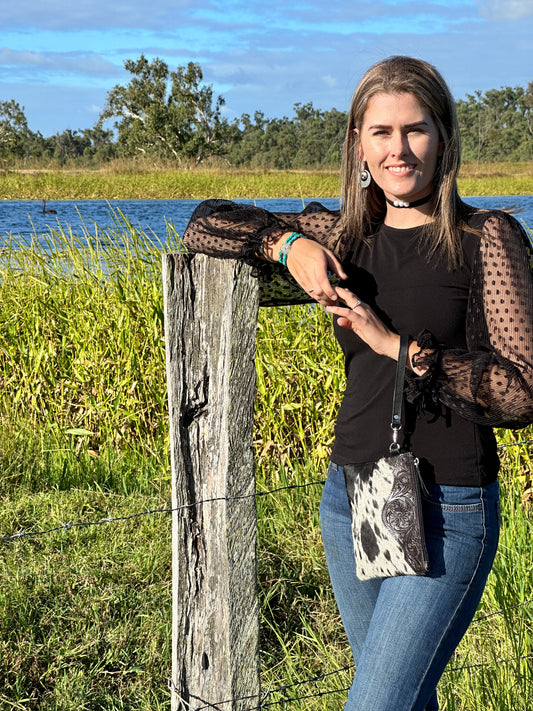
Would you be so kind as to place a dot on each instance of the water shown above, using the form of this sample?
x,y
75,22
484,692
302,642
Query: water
x,y
25,217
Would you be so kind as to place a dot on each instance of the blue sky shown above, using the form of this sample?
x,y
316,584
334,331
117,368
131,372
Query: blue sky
x,y
59,58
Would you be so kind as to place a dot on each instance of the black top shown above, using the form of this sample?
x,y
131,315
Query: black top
x,y
476,322
409,295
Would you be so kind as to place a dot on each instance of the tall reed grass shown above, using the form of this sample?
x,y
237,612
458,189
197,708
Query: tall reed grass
x,y
147,181
168,184
85,613
82,337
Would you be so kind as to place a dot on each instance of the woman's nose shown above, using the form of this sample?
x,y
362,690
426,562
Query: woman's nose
x,y
399,144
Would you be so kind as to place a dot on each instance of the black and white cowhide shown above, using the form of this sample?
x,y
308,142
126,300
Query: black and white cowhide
x,y
386,514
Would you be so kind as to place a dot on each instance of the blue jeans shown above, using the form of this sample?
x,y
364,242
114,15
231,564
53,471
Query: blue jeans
x,y
403,630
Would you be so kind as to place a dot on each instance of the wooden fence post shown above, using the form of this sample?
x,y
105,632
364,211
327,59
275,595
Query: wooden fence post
x,y
211,310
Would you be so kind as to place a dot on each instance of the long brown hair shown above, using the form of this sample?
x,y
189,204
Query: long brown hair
x,y
364,208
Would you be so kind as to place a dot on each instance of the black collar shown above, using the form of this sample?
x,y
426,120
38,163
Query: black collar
x,y
416,203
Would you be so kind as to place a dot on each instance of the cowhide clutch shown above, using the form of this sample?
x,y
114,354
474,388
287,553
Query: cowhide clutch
x,y
386,513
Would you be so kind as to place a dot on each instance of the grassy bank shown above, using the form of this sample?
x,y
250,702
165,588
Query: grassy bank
x,y
85,610
144,182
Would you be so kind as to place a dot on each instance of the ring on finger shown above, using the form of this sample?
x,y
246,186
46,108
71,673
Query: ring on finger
x,y
357,303
310,291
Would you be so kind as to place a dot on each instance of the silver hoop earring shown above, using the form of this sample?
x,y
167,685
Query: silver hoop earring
x,y
364,177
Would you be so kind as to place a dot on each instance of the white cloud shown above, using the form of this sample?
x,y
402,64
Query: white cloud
x,y
70,70
16,58
60,15
506,9
330,81
70,62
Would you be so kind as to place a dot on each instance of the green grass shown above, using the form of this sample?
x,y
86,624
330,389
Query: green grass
x,y
144,181
167,184
85,612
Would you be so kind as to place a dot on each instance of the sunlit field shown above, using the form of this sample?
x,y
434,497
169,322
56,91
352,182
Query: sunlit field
x,y
85,611
144,181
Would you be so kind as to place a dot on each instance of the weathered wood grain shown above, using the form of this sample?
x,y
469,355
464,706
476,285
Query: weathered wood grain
x,y
210,328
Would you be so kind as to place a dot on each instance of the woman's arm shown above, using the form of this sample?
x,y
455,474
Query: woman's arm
x,y
225,229
492,382
310,264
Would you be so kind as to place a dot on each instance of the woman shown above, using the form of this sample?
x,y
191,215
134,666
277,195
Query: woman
x,y
416,260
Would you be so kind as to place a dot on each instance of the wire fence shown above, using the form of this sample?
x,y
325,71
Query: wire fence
x,y
515,444
149,512
264,701
286,690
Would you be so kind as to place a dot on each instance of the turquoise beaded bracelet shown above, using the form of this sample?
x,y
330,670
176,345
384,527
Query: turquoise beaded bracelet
x,y
285,247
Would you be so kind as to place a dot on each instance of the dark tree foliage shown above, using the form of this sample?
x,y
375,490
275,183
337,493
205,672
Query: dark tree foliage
x,y
311,139
172,115
93,146
497,125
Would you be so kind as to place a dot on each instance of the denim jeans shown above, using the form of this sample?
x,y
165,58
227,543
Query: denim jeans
x,y
403,630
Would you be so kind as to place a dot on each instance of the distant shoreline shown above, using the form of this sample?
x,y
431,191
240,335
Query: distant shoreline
x,y
139,183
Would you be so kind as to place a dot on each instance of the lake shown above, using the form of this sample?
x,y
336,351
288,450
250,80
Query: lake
x,y
25,217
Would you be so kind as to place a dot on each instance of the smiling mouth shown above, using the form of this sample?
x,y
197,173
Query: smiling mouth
x,y
400,169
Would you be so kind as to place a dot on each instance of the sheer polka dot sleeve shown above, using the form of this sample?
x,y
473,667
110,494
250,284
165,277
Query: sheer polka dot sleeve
x,y
222,228
491,383
225,229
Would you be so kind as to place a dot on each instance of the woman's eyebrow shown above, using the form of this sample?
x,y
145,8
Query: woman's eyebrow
x,y
422,122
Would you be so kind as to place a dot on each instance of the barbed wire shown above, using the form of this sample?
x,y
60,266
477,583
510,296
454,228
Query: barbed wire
x,y
479,665
515,444
321,677
149,512
263,703
502,611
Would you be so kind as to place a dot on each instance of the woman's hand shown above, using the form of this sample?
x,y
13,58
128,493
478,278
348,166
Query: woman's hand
x,y
359,317
309,263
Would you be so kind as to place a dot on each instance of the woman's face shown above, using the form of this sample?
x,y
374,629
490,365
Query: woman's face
x,y
400,143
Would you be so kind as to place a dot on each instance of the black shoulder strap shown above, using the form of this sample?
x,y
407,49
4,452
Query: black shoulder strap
x,y
397,402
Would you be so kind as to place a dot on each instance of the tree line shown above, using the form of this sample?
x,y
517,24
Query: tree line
x,y
173,116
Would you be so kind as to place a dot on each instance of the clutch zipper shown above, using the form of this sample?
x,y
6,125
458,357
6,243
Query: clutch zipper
x,y
416,462
419,506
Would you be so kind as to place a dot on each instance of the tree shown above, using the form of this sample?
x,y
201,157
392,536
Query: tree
x,y
248,141
321,136
69,145
203,131
168,114
497,125
14,131
101,147
311,139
